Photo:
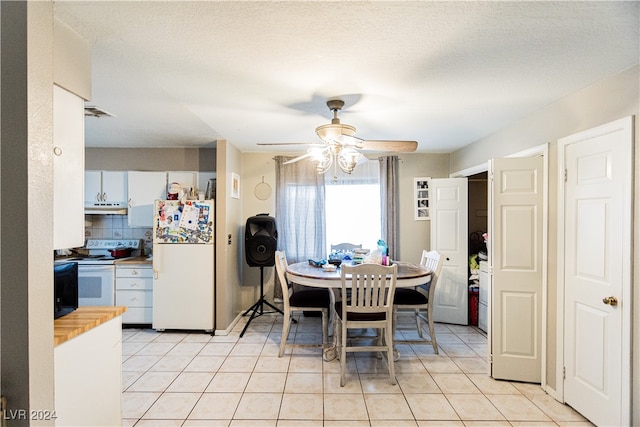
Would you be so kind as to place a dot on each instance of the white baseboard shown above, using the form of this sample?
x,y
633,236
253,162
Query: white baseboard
x,y
227,331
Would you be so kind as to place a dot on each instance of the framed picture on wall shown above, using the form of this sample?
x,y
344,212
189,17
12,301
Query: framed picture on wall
x,y
421,198
235,185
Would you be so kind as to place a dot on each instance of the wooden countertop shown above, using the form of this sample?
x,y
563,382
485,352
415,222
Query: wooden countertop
x,y
81,320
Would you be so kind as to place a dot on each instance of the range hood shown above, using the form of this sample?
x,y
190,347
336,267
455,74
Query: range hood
x,y
106,208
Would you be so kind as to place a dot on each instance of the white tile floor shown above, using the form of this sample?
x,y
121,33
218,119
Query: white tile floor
x,y
194,379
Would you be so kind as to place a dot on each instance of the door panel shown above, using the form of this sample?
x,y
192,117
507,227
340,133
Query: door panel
x,y
517,341
519,254
449,214
516,233
597,250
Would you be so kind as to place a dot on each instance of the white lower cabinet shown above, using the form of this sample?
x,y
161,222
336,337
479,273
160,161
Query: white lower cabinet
x,y
88,377
134,289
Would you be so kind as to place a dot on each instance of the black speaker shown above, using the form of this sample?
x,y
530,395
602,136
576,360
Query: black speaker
x,y
260,240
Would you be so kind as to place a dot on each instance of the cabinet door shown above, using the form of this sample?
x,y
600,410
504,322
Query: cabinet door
x,y
203,180
144,189
92,187
68,169
114,186
187,180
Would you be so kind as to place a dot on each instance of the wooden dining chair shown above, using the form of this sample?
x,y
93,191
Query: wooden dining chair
x,y
372,289
300,301
345,247
420,300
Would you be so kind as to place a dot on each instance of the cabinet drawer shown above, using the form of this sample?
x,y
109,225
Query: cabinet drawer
x,y
138,315
134,272
131,283
134,298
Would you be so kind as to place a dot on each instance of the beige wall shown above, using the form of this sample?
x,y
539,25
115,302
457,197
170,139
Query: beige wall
x,y
228,237
416,235
26,187
255,166
151,159
605,101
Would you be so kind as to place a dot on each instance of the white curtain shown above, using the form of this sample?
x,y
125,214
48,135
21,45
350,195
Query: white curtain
x,y
300,199
389,203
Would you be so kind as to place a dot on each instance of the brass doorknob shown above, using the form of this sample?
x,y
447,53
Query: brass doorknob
x,y
612,301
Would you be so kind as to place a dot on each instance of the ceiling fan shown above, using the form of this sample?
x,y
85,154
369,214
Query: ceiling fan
x,y
341,148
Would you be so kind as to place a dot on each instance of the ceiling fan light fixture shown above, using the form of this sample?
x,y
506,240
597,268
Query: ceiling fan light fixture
x,y
347,159
324,160
341,145
330,132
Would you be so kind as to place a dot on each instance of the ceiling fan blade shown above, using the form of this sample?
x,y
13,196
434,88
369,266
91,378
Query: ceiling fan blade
x,y
349,140
297,159
313,144
388,145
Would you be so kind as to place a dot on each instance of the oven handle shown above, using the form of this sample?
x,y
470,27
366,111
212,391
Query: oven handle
x,y
88,268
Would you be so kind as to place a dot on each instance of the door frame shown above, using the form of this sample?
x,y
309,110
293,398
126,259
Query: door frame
x,y
542,150
626,291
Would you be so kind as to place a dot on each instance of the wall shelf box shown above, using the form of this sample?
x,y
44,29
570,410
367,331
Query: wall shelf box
x,y
421,198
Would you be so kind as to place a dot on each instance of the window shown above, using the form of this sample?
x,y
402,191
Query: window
x,y
352,206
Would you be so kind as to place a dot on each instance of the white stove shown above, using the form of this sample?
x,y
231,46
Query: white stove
x,y
96,251
96,269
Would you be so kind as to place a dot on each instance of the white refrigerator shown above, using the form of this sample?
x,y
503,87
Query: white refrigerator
x,y
183,265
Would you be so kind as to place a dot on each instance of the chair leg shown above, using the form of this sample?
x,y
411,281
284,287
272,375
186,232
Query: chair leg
x,y
285,332
395,321
380,341
389,343
432,332
343,352
420,333
325,329
336,336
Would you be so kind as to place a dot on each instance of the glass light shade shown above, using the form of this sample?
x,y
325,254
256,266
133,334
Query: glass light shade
x,y
330,132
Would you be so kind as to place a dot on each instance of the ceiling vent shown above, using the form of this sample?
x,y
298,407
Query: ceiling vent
x,y
93,111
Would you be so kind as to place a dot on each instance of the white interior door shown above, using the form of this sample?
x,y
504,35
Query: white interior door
x,y
516,236
448,201
597,251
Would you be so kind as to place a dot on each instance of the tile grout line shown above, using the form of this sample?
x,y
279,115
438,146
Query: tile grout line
x,y
269,335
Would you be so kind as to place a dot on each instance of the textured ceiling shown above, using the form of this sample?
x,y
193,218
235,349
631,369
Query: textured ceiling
x,y
184,74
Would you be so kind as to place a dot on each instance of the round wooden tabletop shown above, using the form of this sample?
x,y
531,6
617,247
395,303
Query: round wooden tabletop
x,y
303,273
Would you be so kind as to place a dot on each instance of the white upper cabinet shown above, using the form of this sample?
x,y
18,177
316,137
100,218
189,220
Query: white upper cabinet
x,y
114,186
105,189
92,187
68,168
187,180
203,181
144,189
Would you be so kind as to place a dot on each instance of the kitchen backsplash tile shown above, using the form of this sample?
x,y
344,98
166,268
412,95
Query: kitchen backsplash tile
x,y
116,227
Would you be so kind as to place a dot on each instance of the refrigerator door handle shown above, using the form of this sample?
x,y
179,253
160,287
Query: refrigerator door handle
x,y
156,263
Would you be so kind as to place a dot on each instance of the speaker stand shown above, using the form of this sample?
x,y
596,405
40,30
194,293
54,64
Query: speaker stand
x,y
257,309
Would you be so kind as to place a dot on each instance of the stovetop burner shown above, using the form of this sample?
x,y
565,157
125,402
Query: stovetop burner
x,y
97,251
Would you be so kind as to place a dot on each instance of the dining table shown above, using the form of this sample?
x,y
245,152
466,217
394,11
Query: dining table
x,y
306,274
303,273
